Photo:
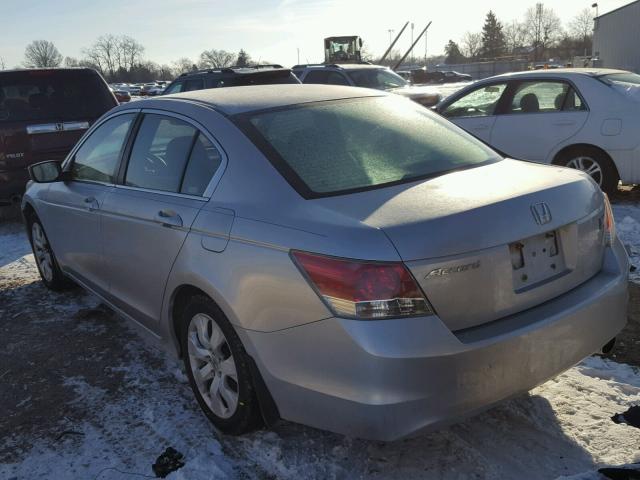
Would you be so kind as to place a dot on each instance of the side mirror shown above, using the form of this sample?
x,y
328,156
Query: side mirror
x,y
45,172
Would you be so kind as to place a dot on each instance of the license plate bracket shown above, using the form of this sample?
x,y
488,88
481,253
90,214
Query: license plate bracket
x,y
537,260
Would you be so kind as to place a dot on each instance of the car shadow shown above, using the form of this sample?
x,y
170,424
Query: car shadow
x,y
13,244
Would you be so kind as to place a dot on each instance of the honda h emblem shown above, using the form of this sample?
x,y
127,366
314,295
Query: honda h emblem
x,y
541,213
59,127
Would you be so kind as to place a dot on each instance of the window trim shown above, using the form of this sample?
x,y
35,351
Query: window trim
x,y
215,179
71,157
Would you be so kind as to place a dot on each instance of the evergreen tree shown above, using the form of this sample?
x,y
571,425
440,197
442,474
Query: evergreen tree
x,y
493,39
453,53
244,60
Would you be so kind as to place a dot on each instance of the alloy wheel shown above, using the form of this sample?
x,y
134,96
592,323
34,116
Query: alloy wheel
x,y
212,365
42,252
587,165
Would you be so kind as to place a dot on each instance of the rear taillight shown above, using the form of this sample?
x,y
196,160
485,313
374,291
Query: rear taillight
x,y
609,222
363,290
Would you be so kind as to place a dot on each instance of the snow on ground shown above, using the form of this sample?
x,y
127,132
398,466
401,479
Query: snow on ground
x,y
562,429
627,217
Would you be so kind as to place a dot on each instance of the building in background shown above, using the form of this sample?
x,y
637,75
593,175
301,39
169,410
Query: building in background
x,y
616,38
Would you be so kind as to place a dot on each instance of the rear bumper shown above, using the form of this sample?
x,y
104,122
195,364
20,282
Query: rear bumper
x,y
386,380
628,164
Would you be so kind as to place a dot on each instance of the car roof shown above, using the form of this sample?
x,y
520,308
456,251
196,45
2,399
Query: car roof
x,y
235,100
231,71
52,69
340,66
592,72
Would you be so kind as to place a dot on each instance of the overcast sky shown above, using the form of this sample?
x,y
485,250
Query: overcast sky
x,y
270,30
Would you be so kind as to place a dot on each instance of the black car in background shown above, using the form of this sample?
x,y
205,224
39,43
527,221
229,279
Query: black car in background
x,y
231,77
43,113
422,76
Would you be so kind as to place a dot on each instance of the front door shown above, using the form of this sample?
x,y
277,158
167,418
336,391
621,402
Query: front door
x,y
475,111
148,217
538,116
73,207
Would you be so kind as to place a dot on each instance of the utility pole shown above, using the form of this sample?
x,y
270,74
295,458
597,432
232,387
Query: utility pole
x,y
412,41
425,47
391,30
298,55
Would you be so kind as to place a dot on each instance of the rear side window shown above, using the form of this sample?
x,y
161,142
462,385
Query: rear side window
x,y
545,97
160,153
53,95
96,160
334,147
193,84
203,163
171,155
326,78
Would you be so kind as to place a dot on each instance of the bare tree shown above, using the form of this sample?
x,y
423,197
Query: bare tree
x,y
104,54
581,28
130,52
543,27
183,65
515,34
471,44
42,54
3,65
216,59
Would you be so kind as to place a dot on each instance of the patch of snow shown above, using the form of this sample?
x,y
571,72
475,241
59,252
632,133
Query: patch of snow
x,y
627,217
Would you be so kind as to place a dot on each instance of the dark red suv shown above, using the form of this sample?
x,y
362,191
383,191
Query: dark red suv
x,y
43,113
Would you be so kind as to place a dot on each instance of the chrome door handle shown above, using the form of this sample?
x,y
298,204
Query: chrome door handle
x,y
566,123
91,203
169,218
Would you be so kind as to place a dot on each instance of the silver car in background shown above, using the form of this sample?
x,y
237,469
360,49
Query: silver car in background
x,y
333,256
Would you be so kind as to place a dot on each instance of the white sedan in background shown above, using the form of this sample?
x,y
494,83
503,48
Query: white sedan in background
x,y
587,119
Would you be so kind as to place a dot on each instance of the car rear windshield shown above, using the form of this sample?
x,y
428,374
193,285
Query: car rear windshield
x,y
53,95
627,78
329,148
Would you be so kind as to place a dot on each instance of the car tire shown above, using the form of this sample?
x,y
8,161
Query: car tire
x,y
48,267
595,163
218,368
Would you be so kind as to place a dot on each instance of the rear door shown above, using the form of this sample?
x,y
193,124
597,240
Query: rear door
x,y
538,115
476,110
148,215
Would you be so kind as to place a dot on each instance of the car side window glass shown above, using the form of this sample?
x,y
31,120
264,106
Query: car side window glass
x,y
317,76
160,153
193,84
544,97
205,159
572,102
97,159
480,102
335,78
175,88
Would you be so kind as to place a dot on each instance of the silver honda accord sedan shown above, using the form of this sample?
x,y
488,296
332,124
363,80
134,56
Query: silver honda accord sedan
x,y
333,256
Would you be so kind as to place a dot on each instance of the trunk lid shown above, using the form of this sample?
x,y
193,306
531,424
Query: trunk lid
x,y
489,241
